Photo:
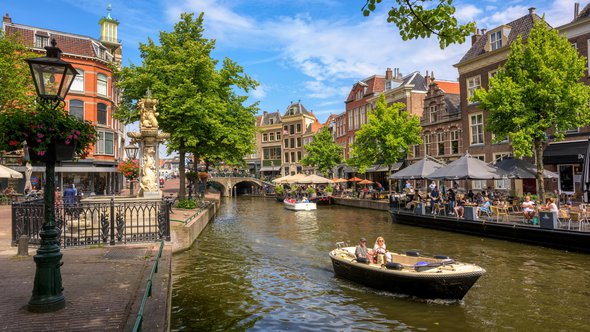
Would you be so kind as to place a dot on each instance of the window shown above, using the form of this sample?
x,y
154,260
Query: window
x,y
285,130
492,73
292,143
286,143
264,137
298,142
441,143
292,129
350,120
416,151
41,41
433,113
101,114
78,83
502,184
278,135
271,136
105,143
286,157
77,108
101,85
473,83
427,144
454,142
566,179
476,129
293,157
496,40
359,95
298,155
363,115
501,156
299,127
478,184
272,153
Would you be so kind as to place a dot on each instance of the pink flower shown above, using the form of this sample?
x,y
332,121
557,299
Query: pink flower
x,y
77,132
40,135
39,140
40,153
70,137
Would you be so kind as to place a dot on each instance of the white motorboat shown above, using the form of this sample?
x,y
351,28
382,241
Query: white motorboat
x,y
291,204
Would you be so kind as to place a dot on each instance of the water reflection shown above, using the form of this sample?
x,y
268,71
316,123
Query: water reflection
x,y
260,267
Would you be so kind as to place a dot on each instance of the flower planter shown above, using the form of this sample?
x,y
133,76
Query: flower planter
x,y
57,151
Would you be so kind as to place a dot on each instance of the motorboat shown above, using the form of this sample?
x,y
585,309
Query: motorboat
x,y
292,204
410,273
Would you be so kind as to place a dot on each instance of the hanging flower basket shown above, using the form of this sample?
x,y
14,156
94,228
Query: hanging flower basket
x,y
56,151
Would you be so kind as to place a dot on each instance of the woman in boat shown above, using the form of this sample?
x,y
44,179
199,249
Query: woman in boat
x,y
380,248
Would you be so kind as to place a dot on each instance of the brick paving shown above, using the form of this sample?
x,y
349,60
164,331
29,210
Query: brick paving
x,y
103,285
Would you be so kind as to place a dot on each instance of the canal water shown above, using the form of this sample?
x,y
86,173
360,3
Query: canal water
x,y
259,267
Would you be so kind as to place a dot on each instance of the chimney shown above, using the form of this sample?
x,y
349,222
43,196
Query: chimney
x,y
427,79
531,10
399,74
576,10
6,19
483,32
264,113
475,37
388,74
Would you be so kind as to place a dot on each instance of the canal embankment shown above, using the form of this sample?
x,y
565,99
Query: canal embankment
x,y
187,225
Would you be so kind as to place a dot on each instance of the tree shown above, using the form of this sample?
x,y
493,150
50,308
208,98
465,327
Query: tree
x,y
198,104
387,137
16,90
422,21
323,152
537,91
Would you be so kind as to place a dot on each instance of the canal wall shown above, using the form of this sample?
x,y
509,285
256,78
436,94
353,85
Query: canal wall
x,y
187,225
363,203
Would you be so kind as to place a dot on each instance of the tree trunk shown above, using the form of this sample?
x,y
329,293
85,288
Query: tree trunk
x,y
181,171
389,179
538,145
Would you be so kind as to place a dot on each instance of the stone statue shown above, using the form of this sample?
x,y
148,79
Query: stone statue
x,y
147,113
148,180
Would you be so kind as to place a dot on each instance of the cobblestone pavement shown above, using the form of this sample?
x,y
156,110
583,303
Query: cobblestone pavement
x,y
103,286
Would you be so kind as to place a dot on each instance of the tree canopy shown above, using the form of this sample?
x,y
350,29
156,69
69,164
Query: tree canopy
x,y
17,83
537,92
322,152
199,103
387,137
415,20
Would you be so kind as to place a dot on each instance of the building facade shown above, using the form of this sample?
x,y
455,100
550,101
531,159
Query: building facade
x,y
93,96
295,122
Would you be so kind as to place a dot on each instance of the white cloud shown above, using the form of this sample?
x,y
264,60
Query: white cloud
x,y
259,93
467,13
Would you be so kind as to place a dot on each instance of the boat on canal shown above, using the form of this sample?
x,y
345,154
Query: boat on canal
x,y
292,204
438,277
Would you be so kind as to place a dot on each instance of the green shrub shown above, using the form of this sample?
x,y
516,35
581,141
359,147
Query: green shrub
x,y
279,189
187,204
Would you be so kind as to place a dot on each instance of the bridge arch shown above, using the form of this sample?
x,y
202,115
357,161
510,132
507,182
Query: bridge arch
x,y
238,185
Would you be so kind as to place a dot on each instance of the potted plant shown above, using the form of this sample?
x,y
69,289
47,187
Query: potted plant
x,y
129,168
329,190
279,190
50,134
311,191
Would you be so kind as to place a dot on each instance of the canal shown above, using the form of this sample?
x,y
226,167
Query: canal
x,y
259,267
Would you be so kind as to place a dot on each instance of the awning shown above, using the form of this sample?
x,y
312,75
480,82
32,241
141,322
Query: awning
x,y
270,168
384,168
72,169
565,153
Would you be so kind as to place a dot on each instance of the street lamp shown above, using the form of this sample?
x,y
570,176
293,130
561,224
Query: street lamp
x,y
53,78
131,152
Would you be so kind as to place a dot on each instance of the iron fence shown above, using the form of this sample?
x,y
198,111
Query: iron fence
x,y
95,222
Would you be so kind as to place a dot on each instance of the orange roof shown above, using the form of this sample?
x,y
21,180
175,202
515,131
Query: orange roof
x,y
448,86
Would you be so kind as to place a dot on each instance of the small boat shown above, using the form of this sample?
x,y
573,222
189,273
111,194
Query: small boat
x,y
291,204
438,277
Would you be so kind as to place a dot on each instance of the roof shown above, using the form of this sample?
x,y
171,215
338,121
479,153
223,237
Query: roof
x,y
373,84
314,127
267,118
520,26
299,109
68,43
453,103
416,79
449,87
584,13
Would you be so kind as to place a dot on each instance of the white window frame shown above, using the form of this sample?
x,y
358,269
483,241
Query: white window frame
x,y
106,110
433,113
427,144
473,83
71,108
102,86
496,40
454,137
476,126
102,143
440,138
78,83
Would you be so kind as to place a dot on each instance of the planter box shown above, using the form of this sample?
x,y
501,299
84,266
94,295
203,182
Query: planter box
x,y
548,220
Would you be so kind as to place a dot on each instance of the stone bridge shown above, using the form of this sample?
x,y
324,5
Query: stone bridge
x,y
239,185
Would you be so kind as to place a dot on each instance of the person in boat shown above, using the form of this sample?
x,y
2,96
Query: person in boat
x,y
362,253
528,208
381,248
304,199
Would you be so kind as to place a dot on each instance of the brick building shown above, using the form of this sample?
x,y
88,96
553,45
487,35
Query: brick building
x,y
92,97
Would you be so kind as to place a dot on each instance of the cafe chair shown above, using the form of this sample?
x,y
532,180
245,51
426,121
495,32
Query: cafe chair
x,y
439,208
564,216
498,212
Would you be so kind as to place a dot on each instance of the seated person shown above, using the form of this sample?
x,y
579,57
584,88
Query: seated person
x,y
460,206
380,248
485,207
528,208
304,199
550,205
362,253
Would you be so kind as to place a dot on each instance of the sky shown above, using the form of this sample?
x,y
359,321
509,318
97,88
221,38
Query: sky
x,y
311,51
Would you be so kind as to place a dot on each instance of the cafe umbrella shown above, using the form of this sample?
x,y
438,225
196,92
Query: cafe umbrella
x,y
467,168
418,170
586,175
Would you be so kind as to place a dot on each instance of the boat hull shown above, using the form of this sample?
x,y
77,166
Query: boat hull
x,y
426,285
322,200
294,206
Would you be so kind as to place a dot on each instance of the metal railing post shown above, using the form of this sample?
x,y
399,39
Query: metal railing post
x,y
112,228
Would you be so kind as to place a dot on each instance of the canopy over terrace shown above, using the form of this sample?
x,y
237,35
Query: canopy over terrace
x,y
314,179
419,170
9,173
467,168
521,169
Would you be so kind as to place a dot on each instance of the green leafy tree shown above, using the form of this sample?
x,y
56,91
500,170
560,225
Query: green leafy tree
x,y
199,105
323,152
387,137
16,90
419,19
537,91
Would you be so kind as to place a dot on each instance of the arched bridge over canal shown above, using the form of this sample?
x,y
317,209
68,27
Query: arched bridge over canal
x,y
239,185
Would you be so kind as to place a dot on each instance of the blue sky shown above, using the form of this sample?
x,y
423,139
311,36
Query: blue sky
x,y
308,50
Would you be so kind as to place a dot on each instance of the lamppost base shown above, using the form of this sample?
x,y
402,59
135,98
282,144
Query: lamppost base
x,y
47,288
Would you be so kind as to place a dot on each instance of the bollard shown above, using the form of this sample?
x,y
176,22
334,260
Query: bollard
x,y
23,245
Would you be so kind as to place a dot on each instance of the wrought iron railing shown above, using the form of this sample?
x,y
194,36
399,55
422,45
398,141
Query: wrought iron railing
x,y
95,222
148,292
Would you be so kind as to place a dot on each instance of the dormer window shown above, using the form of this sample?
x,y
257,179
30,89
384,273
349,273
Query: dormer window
x,y
41,41
359,95
496,40
388,85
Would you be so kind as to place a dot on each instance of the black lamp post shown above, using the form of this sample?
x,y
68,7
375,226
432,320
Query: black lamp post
x,y
53,78
131,152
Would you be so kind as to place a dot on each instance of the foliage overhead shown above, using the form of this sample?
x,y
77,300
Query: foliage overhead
x,y
387,137
419,19
537,92
17,83
322,152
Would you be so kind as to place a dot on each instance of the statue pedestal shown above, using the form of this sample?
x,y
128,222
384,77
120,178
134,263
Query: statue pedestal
x,y
152,194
